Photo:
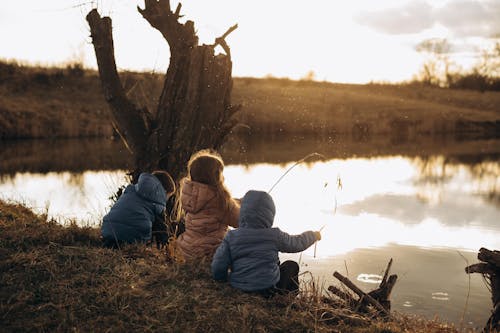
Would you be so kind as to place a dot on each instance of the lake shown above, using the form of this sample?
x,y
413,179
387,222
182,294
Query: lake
x,y
429,204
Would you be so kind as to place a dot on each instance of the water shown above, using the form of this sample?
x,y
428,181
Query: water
x,y
428,206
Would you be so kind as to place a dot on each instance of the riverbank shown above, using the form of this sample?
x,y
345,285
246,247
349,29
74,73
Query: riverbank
x,y
68,102
57,278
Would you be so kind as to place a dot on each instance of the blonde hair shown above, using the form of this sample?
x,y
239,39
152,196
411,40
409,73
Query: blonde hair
x,y
206,166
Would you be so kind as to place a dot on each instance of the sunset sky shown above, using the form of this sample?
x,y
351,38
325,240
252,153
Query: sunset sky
x,y
341,41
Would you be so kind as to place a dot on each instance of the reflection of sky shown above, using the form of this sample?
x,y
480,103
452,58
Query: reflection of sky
x,y
384,205
430,283
82,196
381,201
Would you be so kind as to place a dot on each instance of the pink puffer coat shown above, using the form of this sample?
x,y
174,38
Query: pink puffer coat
x,y
207,220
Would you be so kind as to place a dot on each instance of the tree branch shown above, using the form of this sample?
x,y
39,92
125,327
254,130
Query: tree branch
x,y
360,293
222,40
128,119
161,17
482,267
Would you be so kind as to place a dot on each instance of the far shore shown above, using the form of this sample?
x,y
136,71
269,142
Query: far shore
x,y
68,103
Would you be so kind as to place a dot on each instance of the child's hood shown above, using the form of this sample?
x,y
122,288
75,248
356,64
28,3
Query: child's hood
x,y
257,210
195,196
150,188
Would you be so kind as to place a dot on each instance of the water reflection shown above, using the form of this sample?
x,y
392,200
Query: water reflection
x,y
381,201
418,210
431,282
64,195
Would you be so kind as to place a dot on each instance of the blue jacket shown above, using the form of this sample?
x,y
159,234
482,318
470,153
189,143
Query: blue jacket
x,y
251,251
131,217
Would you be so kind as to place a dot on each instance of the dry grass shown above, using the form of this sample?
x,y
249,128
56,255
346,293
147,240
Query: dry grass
x,y
57,278
272,105
68,102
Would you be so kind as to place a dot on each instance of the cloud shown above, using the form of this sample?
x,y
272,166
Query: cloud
x,y
470,18
406,209
411,18
464,18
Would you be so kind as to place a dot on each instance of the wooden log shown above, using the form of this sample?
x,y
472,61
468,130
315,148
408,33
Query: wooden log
x,y
382,294
493,323
491,257
343,295
360,293
490,267
482,267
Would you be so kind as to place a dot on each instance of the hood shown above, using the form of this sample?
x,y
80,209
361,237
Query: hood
x,y
257,210
195,196
150,188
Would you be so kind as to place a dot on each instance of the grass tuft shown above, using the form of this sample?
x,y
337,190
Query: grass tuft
x,y
57,278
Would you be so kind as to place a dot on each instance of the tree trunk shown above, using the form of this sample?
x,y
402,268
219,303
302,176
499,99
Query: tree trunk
x,y
194,110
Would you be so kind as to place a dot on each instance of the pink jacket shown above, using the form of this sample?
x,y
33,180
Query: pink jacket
x,y
206,220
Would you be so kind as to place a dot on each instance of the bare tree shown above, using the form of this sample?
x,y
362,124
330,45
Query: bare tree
x,y
194,109
436,68
489,64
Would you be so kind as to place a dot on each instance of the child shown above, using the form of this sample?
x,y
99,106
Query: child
x,y
251,251
131,218
207,204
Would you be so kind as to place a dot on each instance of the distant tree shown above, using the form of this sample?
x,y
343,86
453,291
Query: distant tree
x,y
310,75
436,68
489,64
194,110
485,75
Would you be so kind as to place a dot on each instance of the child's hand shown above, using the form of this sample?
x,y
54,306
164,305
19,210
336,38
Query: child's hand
x,y
318,235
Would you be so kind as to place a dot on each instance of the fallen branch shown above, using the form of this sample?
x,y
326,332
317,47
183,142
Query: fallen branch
x,y
360,293
343,295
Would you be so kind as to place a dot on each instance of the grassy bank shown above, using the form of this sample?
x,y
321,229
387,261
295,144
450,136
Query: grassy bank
x,y
68,102
56,278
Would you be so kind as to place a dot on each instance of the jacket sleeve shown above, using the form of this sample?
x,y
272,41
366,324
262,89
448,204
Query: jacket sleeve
x,y
233,214
221,262
158,210
295,243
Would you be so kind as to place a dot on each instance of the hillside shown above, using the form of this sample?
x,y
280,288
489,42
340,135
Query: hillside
x,y
67,102
56,278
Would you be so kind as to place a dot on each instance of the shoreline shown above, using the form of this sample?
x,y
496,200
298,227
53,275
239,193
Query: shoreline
x,y
58,278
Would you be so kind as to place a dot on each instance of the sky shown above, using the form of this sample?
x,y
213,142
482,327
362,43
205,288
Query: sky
x,y
355,41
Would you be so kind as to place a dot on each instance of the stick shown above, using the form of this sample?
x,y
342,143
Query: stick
x,y
360,293
468,293
343,295
293,166
316,242
384,279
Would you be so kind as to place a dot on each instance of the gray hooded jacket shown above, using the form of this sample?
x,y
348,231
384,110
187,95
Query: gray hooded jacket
x,y
251,251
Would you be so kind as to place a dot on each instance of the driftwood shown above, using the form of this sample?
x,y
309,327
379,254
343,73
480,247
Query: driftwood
x,y
194,109
490,268
363,296
346,297
378,298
